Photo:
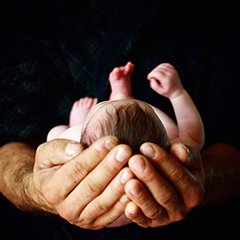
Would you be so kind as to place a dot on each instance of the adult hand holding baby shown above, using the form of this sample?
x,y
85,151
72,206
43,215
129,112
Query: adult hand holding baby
x,y
85,187
160,194
167,187
90,194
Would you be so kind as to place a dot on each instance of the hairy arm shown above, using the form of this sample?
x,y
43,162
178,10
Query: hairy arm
x,y
48,180
16,177
221,164
191,182
221,169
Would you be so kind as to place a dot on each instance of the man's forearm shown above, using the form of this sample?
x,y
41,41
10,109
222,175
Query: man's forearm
x,y
16,169
221,163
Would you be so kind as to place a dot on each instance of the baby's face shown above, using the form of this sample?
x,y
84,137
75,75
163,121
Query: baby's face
x,y
108,107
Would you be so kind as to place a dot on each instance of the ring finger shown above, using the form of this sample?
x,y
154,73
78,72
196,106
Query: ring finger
x,y
158,187
144,200
108,200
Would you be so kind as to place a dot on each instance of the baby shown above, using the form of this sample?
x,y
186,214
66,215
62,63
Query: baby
x,y
133,121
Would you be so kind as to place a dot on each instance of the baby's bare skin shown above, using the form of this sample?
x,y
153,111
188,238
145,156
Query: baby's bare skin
x,y
165,80
120,80
80,110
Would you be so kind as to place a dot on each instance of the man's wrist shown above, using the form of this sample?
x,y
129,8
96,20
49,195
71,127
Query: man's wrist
x,y
221,166
16,178
33,200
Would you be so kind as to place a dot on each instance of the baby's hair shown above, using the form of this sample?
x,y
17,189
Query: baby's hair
x,y
132,125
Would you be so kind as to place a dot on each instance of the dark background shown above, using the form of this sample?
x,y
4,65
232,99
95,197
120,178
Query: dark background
x,y
54,52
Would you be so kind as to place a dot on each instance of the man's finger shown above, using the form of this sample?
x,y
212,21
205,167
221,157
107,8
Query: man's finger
x,y
186,155
66,177
134,213
108,197
96,181
110,204
187,183
56,152
163,195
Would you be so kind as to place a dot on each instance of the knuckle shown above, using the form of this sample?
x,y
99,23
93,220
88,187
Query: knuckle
x,y
151,177
177,175
78,220
193,196
155,213
157,223
166,197
52,146
180,215
79,170
96,227
86,223
100,207
91,188
68,215
143,222
145,225
83,223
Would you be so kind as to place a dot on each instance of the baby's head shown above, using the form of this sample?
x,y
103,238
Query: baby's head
x,y
132,121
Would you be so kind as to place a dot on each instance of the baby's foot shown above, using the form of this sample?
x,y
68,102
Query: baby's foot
x,y
80,110
120,80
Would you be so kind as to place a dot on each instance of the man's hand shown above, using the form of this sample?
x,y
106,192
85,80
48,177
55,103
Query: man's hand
x,y
85,187
167,187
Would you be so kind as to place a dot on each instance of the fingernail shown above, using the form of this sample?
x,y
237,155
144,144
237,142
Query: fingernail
x,y
122,155
125,177
139,165
188,152
124,199
136,191
148,151
132,208
110,144
73,148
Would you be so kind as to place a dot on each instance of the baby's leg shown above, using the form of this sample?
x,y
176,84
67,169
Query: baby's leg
x,y
80,110
54,132
78,114
120,80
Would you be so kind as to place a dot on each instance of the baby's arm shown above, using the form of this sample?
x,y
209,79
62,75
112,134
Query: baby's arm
x,y
190,130
168,123
190,126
